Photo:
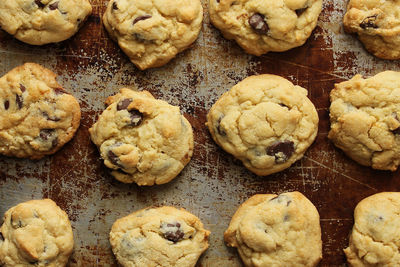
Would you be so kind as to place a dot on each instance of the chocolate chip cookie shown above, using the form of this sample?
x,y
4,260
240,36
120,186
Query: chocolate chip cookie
x,y
260,26
276,230
151,33
265,121
37,116
39,22
365,119
35,233
142,139
164,236
374,240
376,24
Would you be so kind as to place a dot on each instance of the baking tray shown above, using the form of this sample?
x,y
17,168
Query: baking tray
x,y
213,184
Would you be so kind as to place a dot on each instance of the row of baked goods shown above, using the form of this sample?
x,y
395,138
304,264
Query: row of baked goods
x,y
151,33
265,121
267,230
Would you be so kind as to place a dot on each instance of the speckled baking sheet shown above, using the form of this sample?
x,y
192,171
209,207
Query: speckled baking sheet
x,y
92,67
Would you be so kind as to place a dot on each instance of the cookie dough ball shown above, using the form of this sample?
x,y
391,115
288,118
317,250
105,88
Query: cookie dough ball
x,y
151,33
39,22
142,139
375,23
271,230
260,26
164,236
365,119
35,233
265,121
37,116
374,240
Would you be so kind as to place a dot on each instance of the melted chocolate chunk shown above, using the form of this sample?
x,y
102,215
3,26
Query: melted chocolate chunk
x,y
369,22
219,128
1,236
300,11
39,4
53,6
113,158
19,100
114,6
258,23
124,103
141,18
136,117
281,150
47,134
22,87
47,116
6,104
59,91
397,130
175,235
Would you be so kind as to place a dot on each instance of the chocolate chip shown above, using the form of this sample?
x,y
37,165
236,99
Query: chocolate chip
x,y
175,235
300,11
1,236
141,18
219,128
113,158
369,22
46,134
114,6
281,150
22,87
258,23
124,103
39,4
280,199
217,1
136,117
397,130
53,6
6,104
286,218
48,117
288,203
19,100
59,91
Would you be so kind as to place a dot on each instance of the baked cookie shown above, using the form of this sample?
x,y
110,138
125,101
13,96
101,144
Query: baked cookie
x,y
37,116
374,240
142,139
260,26
375,23
265,121
271,230
163,236
151,33
39,22
35,233
365,119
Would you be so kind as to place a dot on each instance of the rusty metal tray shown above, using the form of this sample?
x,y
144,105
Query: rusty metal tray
x,y
92,67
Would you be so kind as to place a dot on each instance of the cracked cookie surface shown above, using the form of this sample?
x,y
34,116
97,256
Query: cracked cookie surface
x,y
37,116
374,240
164,236
265,121
142,139
151,33
377,25
276,230
260,26
365,119
35,233
39,22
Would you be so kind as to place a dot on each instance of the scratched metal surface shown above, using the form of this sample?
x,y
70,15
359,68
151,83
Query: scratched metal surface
x,y
92,67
